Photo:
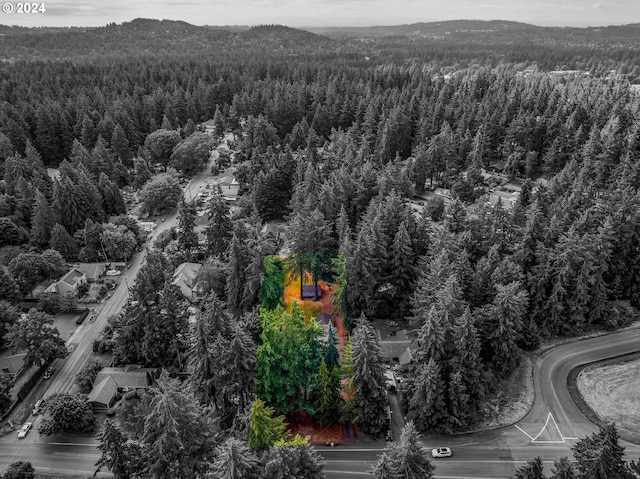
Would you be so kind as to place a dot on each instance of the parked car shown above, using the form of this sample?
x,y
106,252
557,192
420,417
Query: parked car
x,y
26,427
441,452
37,407
49,372
113,272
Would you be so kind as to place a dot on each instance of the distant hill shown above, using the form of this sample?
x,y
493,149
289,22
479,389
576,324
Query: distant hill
x,y
430,28
477,37
147,36
281,33
492,30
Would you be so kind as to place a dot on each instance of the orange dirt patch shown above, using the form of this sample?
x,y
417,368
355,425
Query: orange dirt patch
x,y
306,426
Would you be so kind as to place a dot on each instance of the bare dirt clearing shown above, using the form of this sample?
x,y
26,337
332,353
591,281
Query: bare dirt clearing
x,y
613,393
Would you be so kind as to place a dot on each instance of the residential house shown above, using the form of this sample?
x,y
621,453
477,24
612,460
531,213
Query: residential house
x,y
69,283
311,291
111,380
92,271
507,198
127,378
103,394
185,278
230,188
208,126
396,347
12,365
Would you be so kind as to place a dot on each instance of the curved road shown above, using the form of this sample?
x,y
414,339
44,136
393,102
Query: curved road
x,y
549,430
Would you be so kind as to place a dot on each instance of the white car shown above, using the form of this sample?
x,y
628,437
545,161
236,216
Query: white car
x,y
113,272
37,407
26,427
441,452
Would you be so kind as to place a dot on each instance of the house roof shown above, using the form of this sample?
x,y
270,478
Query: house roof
x,y
396,349
185,277
128,377
309,291
91,270
229,180
72,277
12,364
103,391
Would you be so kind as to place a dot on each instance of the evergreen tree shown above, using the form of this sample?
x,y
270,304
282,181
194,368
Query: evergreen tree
x,y
208,347
241,363
368,380
600,456
234,460
220,227
112,201
238,262
327,393
20,470
187,237
120,144
405,460
403,271
272,282
299,461
42,221
218,122
426,403
178,435
532,470
331,355
266,429
347,389
116,453
508,311
563,469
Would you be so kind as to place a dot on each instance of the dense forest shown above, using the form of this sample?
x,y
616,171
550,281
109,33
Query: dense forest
x,y
345,139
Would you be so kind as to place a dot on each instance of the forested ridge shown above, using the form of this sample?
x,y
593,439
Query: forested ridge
x,y
346,141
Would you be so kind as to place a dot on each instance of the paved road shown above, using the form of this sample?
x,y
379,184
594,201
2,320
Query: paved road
x,y
50,452
549,430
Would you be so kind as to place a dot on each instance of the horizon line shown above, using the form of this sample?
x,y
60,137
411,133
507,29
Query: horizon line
x,y
582,24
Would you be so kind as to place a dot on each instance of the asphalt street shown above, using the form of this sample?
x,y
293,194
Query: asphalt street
x,y
549,430
53,453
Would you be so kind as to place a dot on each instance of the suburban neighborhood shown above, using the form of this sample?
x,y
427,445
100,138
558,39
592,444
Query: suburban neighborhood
x,y
405,251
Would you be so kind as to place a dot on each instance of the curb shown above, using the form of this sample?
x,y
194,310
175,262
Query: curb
x,y
589,413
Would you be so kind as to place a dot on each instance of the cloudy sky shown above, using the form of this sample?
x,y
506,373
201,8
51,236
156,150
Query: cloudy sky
x,y
301,13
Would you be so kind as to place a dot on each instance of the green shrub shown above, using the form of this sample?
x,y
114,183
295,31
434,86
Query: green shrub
x,y
131,395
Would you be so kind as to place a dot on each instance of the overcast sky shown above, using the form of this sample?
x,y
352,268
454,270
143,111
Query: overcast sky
x,y
301,13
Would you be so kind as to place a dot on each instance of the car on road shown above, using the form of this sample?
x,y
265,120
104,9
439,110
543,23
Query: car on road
x,y
26,427
37,407
441,452
49,372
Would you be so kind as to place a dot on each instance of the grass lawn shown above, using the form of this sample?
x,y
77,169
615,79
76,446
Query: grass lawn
x,y
613,393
